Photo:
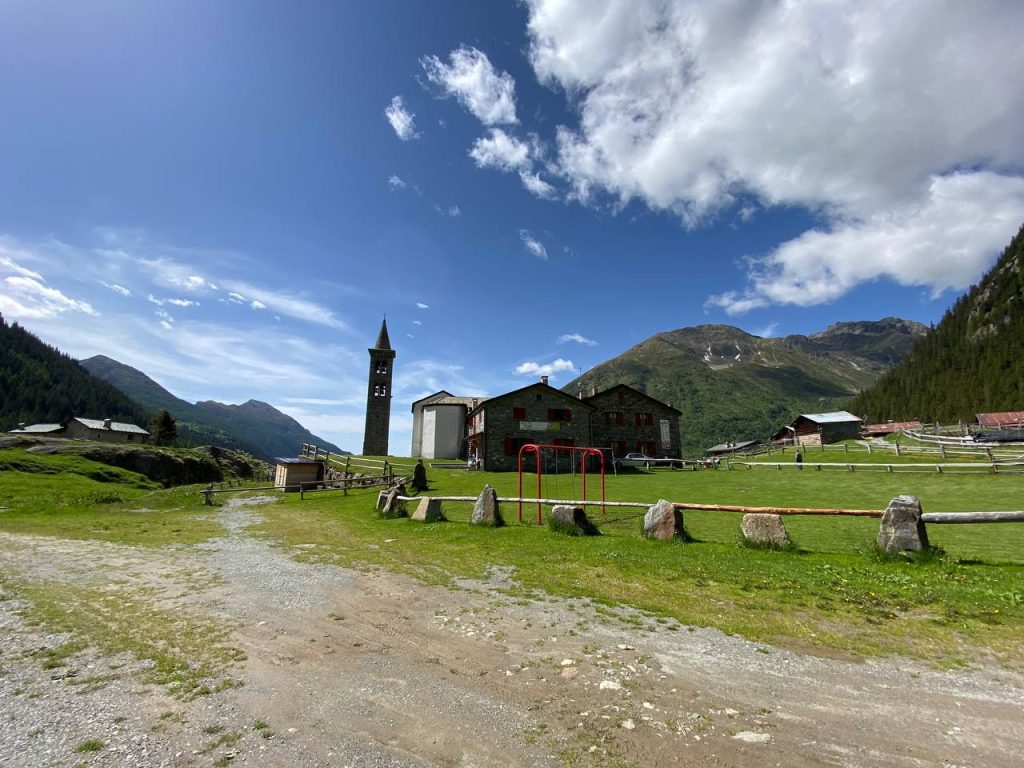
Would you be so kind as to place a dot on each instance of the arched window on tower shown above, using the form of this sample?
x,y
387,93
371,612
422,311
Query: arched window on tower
x,y
382,367
376,390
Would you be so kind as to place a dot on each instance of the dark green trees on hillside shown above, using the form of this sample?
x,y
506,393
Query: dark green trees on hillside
x,y
163,429
40,384
972,362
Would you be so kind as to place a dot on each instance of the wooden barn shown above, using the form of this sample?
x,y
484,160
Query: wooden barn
x,y
290,472
820,429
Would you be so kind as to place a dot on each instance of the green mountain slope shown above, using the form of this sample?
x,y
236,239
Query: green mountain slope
x,y
254,426
731,385
40,384
972,362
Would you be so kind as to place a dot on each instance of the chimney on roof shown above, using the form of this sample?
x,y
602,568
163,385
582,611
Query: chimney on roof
x,y
544,380
21,425
593,390
107,423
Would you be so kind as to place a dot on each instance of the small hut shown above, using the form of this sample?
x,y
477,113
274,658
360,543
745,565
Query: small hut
x,y
289,473
820,429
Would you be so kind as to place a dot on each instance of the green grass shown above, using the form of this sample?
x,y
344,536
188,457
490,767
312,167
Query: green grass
x,y
829,593
75,498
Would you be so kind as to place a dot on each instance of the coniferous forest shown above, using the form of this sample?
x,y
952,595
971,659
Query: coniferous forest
x,y
971,362
39,384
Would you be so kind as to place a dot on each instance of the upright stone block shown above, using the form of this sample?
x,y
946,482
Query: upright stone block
x,y
663,521
761,528
902,529
572,521
428,510
485,509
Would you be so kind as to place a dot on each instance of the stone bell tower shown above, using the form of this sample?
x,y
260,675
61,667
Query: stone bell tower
x,y
378,395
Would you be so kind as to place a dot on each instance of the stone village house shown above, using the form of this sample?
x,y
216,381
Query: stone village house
x,y
77,428
492,430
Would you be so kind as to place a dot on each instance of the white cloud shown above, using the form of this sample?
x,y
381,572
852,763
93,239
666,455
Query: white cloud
x,y
197,283
547,369
9,265
29,298
166,325
943,243
154,300
183,302
257,304
501,150
401,120
472,79
535,184
395,182
286,304
118,289
850,105
863,112
454,211
417,322
164,315
576,337
533,245
421,305
770,331
236,298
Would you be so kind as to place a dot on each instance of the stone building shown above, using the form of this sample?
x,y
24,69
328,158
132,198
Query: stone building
x,y
78,428
498,427
378,395
625,420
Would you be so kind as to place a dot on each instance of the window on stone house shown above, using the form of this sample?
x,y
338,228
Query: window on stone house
x,y
613,418
519,413
643,419
559,414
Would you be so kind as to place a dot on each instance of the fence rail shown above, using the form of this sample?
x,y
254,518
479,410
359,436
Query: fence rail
x,y
963,467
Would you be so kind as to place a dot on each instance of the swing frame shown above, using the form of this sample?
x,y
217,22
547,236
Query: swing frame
x,y
536,449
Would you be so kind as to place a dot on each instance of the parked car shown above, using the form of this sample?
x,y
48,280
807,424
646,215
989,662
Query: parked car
x,y
635,460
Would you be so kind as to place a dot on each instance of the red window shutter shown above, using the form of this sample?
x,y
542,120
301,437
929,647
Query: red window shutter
x,y
551,415
639,419
518,413
620,418
650,419
510,446
568,415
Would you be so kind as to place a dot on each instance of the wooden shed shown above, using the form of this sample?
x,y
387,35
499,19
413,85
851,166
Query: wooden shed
x,y
289,473
820,429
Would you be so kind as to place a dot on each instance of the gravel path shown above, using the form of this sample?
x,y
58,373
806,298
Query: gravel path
x,y
344,668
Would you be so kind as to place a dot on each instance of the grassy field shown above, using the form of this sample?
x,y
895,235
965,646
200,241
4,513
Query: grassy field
x,y
832,594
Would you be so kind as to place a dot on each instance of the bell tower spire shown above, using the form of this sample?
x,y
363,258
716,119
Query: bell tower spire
x,y
378,395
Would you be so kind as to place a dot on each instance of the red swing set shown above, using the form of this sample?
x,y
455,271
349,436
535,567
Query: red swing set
x,y
536,450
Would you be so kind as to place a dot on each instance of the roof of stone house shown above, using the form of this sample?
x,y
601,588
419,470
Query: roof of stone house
x,y
115,426
469,402
835,417
724,447
36,429
547,387
1000,419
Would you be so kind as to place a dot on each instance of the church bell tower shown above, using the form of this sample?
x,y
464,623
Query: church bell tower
x,y
378,395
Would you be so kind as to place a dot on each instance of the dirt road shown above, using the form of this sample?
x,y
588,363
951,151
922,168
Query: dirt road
x,y
345,668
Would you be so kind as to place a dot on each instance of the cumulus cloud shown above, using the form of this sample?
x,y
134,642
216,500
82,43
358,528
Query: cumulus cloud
x,y
874,116
471,78
396,182
401,120
577,338
533,245
502,151
943,243
847,105
531,368
31,299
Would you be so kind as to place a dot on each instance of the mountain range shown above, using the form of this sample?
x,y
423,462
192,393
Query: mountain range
x,y
254,426
731,385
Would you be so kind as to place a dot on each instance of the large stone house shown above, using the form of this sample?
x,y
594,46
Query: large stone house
x,y
490,431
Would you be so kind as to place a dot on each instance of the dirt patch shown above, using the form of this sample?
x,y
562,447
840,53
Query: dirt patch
x,y
373,669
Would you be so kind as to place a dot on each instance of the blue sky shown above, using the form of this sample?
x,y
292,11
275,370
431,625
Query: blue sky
x,y
229,196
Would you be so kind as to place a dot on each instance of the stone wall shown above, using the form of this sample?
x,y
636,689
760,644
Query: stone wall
x,y
629,403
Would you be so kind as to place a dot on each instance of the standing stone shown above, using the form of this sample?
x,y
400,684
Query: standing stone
x,y
428,510
419,476
761,528
902,529
663,521
572,521
485,509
